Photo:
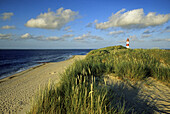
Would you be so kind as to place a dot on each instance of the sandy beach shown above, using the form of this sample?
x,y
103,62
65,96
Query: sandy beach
x,y
17,90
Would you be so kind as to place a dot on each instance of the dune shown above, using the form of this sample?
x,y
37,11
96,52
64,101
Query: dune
x,y
17,90
149,94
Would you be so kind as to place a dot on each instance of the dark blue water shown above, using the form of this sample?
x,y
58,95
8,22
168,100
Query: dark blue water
x,y
14,61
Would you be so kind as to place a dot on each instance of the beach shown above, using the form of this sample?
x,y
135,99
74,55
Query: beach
x,y
149,95
17,90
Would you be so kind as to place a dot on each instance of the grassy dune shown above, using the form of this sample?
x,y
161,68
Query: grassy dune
x,y
83,90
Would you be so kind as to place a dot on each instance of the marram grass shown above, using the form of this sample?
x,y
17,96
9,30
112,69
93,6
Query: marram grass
x,y
78,91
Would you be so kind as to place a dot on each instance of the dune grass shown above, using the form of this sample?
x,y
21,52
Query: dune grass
x,y
78,91
135,64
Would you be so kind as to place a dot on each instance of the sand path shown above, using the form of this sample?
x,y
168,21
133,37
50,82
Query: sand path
x,y
17,90
149,95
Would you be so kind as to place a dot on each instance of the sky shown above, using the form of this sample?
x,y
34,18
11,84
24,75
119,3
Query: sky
x,y
84,24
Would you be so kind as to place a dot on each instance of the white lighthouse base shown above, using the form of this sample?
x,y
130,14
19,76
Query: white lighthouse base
x,y
127,46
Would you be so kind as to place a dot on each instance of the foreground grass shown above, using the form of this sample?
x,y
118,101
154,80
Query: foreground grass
x,y
79,92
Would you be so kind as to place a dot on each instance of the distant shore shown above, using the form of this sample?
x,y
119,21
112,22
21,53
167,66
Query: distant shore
x,y
17,90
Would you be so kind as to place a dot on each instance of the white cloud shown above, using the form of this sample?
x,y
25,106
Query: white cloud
x,y
70,31
53,20
26,35
92,23
122,41
95,21
132,38
53,38
87,36
5,36
116,32
134,19
67,35
42,38
147,31
6,15
165,39
29,36
167,29
89,25
146,35
62,38
67,28
8,27
135,39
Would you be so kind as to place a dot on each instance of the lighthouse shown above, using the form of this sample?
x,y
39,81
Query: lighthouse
x,y
127,43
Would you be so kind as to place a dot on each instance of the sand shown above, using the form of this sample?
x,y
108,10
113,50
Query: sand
x,y
150,95
17,90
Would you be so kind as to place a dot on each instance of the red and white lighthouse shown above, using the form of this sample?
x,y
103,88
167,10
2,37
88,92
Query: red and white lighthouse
x,y
127,43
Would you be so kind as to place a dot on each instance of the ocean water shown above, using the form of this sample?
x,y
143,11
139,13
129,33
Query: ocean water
x,y
14,61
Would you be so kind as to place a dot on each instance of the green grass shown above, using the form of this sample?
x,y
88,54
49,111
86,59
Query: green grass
x,y
135,64
79,92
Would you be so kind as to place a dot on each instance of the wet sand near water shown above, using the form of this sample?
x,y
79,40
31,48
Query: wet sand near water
x,y
17,90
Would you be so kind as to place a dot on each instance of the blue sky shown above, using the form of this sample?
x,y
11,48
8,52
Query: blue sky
x,y
79,24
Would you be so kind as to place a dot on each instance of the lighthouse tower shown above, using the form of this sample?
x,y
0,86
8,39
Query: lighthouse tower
x,y
127,43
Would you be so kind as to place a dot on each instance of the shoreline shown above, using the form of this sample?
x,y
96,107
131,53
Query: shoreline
x,y
17,90
29,68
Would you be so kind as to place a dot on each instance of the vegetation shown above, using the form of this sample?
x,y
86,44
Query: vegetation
x,y
80,90
134,64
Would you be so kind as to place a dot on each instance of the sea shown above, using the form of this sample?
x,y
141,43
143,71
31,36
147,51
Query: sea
x,y
13,61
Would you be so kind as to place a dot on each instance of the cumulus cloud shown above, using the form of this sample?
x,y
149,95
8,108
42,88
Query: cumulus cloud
x,y
5,36
134,19
42,38
87,36
8,27
116,32
29,36
165,40
53,20
6,15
